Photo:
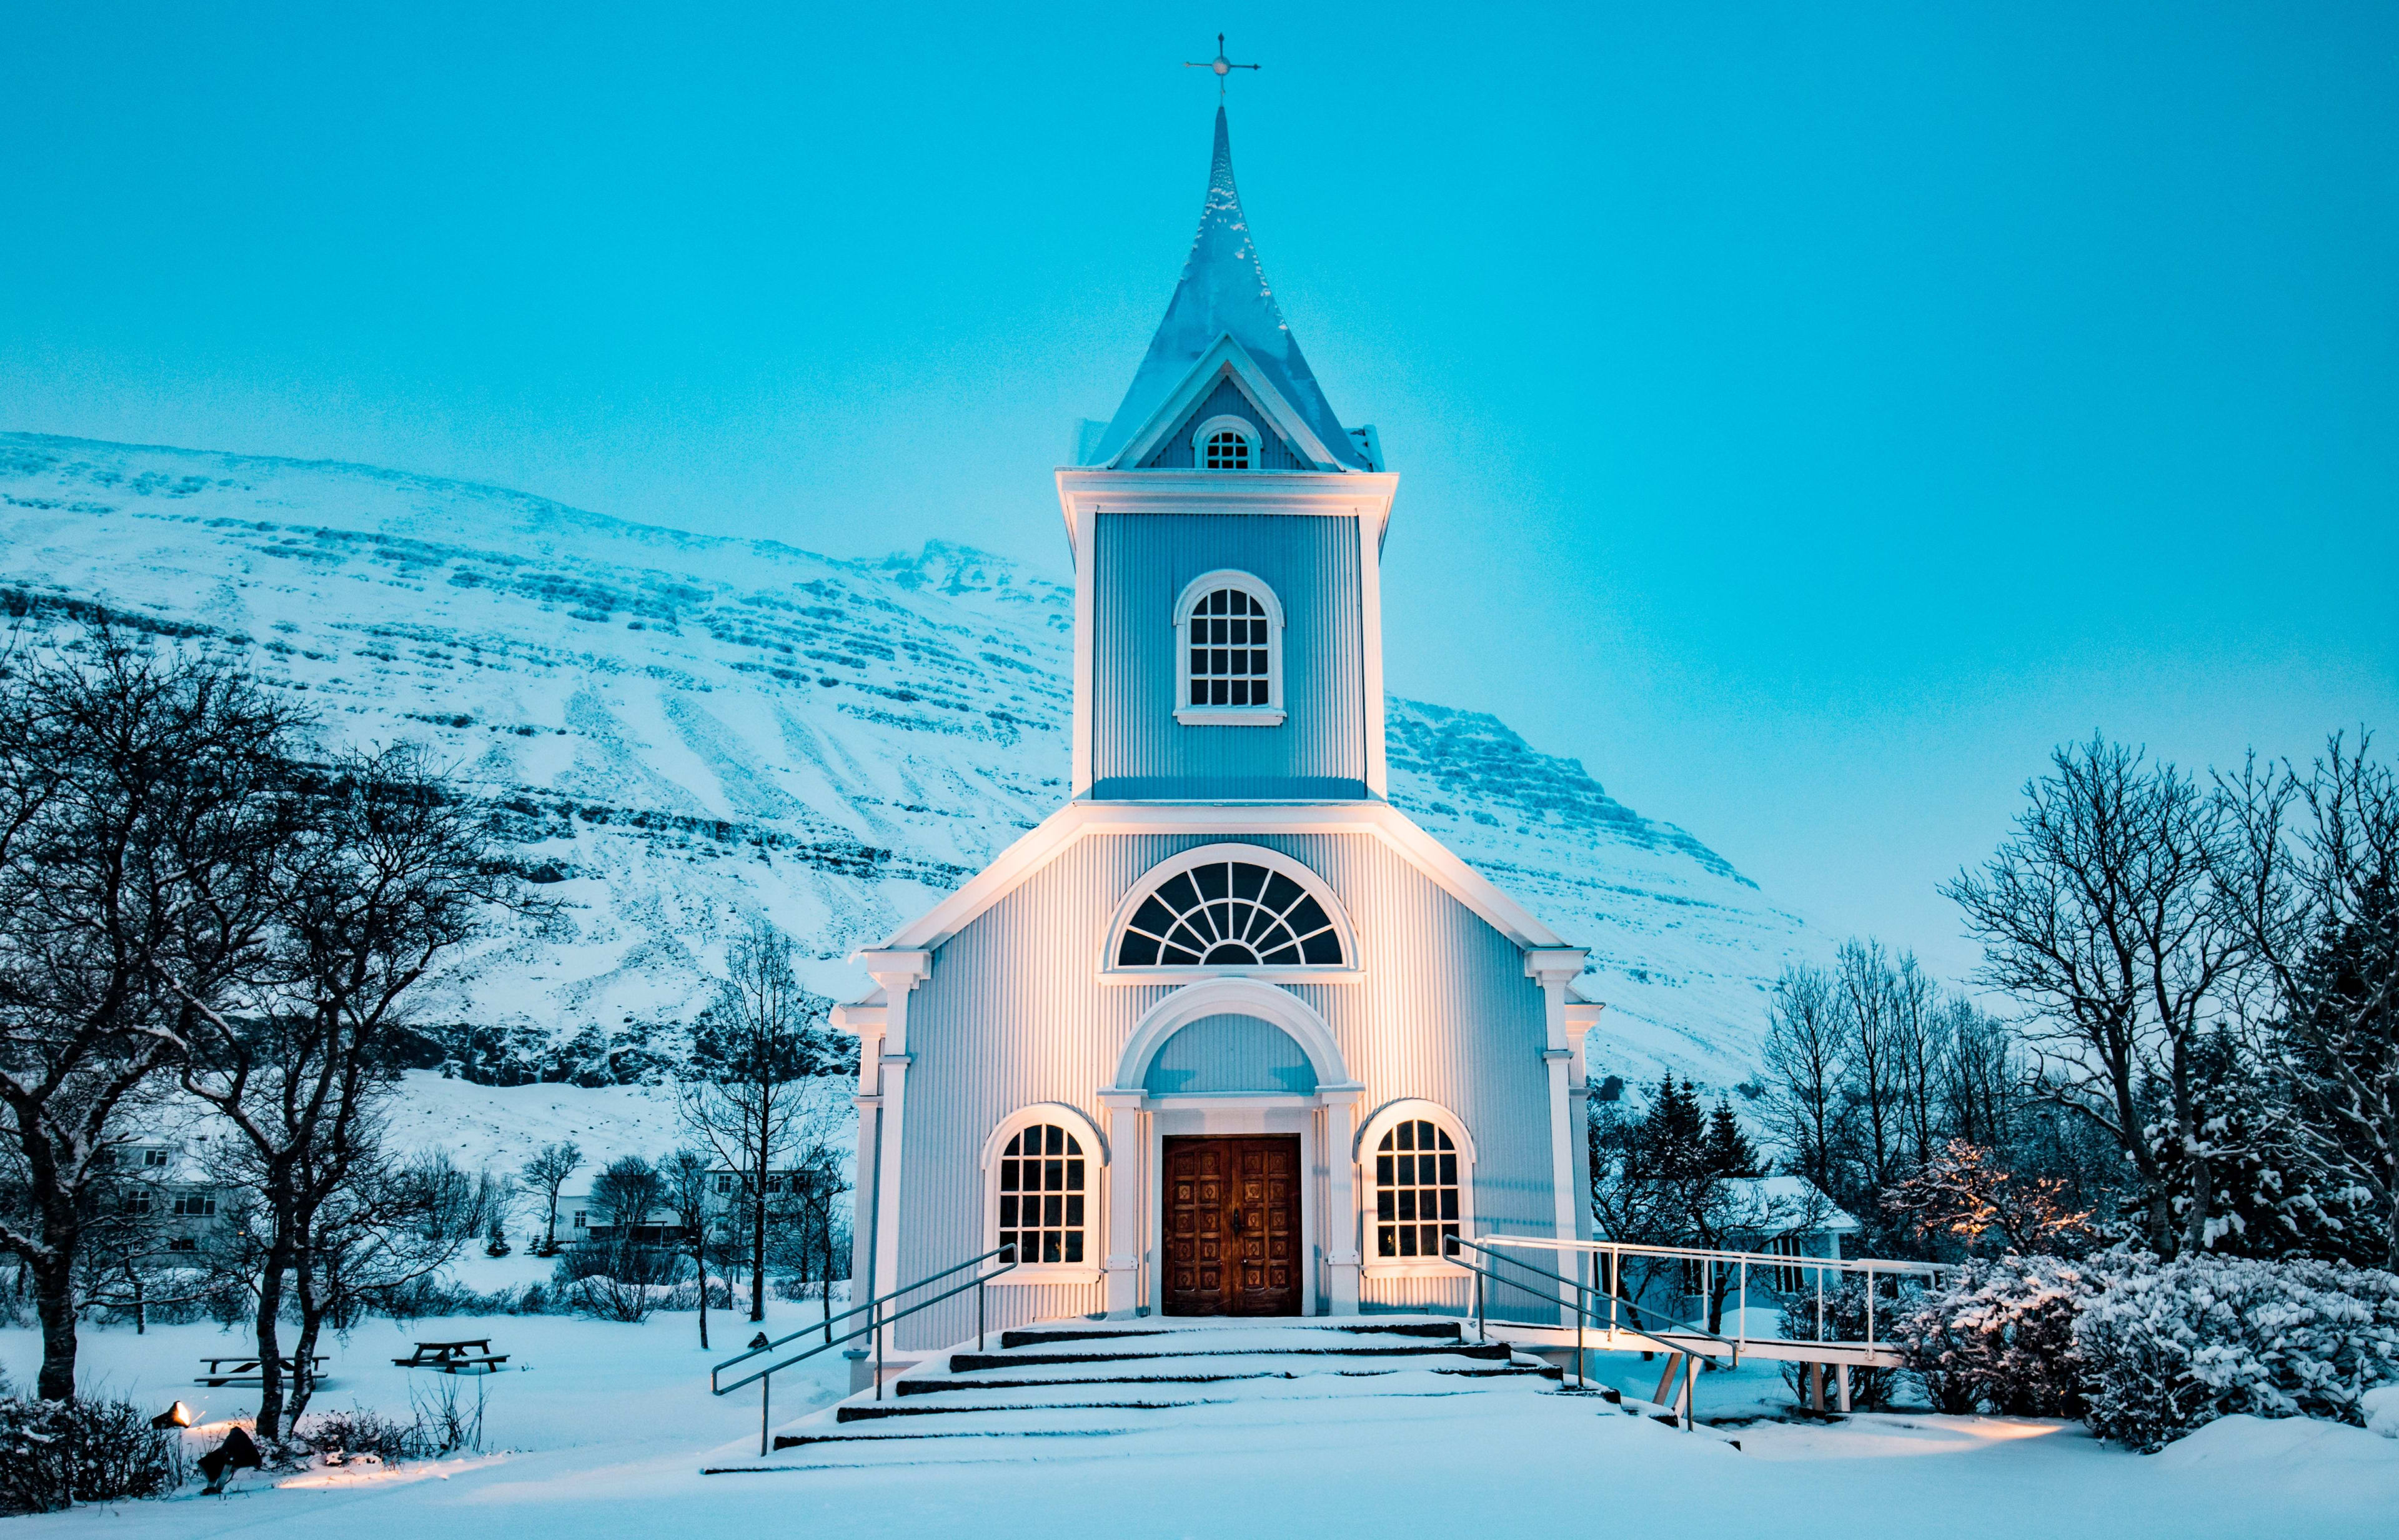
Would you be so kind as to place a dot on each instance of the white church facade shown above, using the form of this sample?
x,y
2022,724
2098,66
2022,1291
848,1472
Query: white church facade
x,y
1228,1035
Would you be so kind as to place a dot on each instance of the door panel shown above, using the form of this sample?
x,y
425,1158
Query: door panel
x,y
1232,1226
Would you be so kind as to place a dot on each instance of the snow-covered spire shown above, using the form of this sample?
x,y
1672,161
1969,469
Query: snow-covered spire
x,y
1223,293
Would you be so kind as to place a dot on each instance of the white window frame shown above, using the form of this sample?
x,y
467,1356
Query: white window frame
x,y
1213,425
1370,1139
1194,594
1095,1161
1349,970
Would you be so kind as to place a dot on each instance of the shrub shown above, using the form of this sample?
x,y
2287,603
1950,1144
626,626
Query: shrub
x,y
1998,1336
54,1455
2167,1349
346,1435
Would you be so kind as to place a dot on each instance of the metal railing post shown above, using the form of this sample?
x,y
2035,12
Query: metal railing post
x,y
978,1316
874,1319
1870,1310
1582,1296
1740,1330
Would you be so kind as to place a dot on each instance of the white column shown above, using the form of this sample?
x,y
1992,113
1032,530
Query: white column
x,y
1121,1256
899,973
1581,1017
865,1021
1553,966
1341,1253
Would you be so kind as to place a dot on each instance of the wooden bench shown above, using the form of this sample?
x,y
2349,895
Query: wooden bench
x,y
245,1369
472,1355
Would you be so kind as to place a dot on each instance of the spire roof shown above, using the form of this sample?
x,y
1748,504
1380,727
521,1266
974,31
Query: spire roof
x,y
1224,292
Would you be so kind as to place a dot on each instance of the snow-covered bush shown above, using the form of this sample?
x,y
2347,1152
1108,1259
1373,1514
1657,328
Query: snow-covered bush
x,y
54,1455
1998,1336
2166,1349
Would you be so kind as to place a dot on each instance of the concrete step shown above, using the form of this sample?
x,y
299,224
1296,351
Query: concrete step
x,y
1036,1336
970,1372
1212,1345
1120,1397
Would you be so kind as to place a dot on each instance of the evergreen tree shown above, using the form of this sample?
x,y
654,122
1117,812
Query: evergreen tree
x,y
1725,1150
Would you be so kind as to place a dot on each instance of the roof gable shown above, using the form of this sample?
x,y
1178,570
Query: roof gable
x,y
1174,449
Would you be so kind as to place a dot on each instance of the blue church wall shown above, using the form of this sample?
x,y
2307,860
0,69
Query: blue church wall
x,y
1220,1054
1013,1013
1227,400
1138,750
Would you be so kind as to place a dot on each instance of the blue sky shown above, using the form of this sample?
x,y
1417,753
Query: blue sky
x,y
1806,415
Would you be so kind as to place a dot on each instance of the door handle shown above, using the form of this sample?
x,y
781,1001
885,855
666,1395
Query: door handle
x,y
1234,1219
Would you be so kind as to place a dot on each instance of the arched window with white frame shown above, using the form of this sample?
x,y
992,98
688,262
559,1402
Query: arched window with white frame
x,y
1237,908
1229,632
1041,1174
1224,443
1417,1165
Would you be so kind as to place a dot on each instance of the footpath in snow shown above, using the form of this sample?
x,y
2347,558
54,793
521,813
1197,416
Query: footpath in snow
x,y
605,1429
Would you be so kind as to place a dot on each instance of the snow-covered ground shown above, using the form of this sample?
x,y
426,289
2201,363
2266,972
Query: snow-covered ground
x,y
608,1428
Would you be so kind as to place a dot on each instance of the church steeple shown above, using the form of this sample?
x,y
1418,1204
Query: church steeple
x,y
1223,294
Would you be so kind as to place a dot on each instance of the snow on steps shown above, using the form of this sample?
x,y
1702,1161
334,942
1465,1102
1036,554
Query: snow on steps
x,y
1100,1379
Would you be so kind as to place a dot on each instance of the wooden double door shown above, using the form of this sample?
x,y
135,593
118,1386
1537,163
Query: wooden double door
x,y
1232,1226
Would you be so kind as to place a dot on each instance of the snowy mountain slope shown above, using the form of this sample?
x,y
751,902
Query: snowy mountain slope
x,y
687,730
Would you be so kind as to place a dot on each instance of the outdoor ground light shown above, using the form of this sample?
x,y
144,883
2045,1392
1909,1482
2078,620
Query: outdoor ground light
x,y
178,1415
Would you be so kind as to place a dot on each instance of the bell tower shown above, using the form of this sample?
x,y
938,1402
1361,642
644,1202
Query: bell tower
x,y
1227,538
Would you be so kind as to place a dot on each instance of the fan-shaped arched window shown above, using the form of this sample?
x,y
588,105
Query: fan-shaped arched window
x,y
1230,913
1228,631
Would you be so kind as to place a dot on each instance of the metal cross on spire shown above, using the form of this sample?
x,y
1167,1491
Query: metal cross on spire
x,y
1222,65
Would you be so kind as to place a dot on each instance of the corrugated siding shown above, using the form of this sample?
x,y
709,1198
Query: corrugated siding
x,y
1139,749
1229,1053
1013,1013
1226,400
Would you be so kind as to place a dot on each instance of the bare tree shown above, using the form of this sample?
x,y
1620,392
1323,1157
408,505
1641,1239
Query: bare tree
x,y
1806,1066
688,1175
386,874
546,1173
1868,988
2319,903
2105,915
752,1049
135,792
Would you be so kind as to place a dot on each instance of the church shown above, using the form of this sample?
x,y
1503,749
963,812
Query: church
x,y
1228,1035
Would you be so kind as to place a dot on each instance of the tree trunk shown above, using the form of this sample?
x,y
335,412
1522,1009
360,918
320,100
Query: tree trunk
x,y
699,1265
54,1300
270,1350
758,1250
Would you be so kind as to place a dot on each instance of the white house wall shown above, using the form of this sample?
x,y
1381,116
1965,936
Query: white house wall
x,y
1013,1013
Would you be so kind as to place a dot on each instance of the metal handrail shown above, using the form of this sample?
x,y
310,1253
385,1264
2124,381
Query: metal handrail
x,y
1582,1312
876,1321
1872,1267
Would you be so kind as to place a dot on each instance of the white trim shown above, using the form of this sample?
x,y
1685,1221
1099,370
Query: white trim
x,y
1370,652
1353,968
1195,593
1224,421
1072,823
1370,1137
1079,1124
1233,997
1207,583
1227,355
1083,492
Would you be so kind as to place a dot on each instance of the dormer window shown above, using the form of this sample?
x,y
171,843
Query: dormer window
x,y
1224,443
1229,653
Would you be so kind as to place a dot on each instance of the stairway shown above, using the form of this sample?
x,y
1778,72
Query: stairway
x,y
1081,1378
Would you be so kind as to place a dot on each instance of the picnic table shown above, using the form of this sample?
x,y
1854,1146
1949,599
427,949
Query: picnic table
x,y
473,1354
245,1369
